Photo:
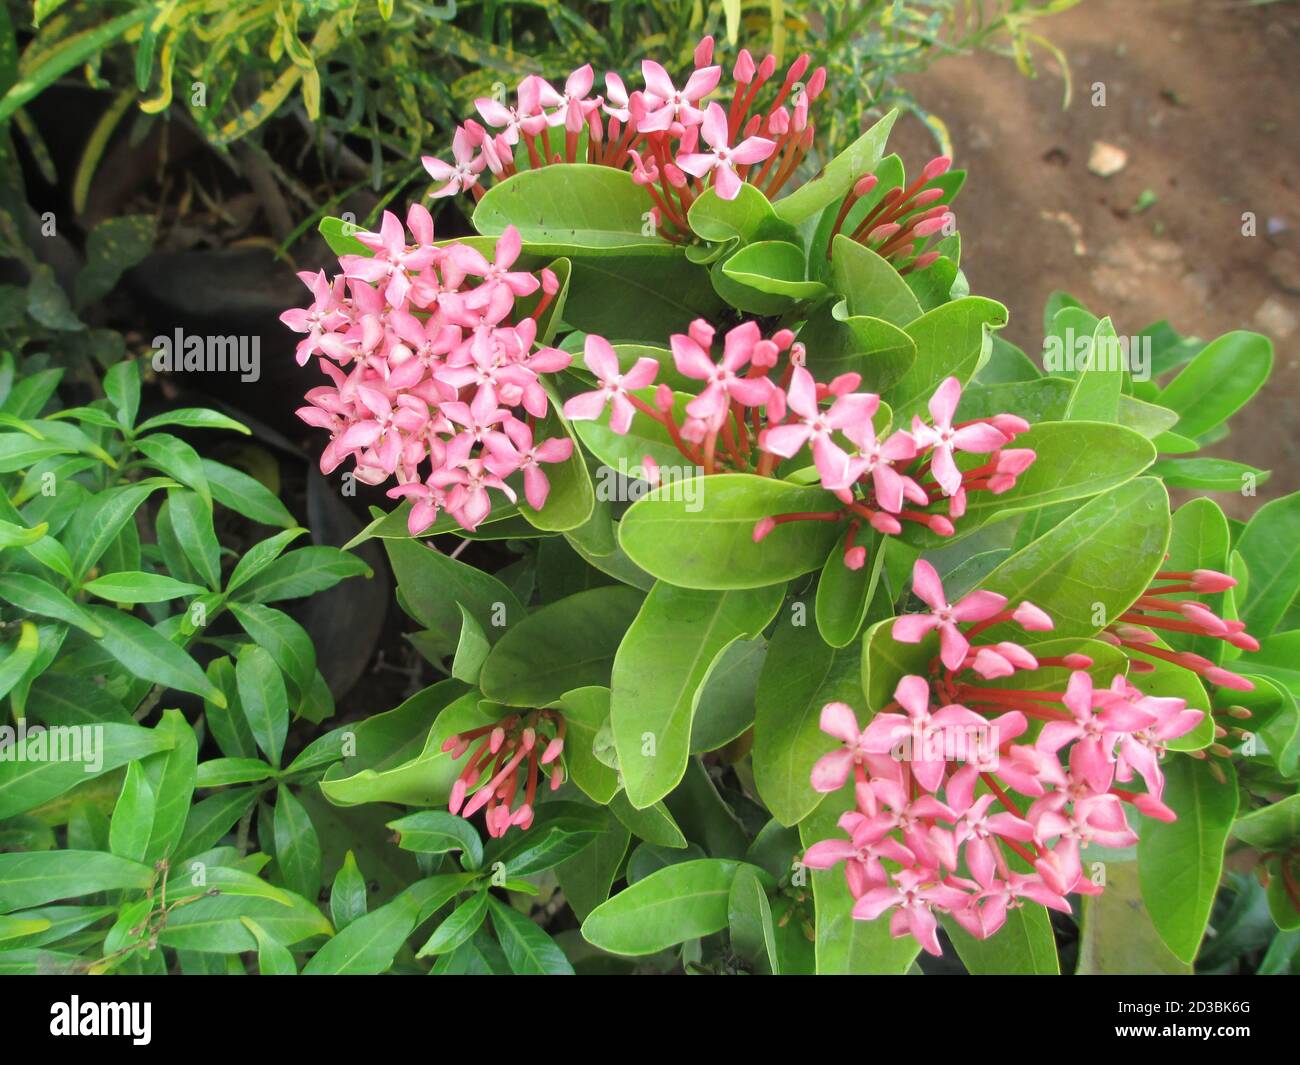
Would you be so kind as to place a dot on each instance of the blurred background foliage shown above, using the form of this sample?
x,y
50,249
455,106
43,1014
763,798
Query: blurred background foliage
x,y
309,101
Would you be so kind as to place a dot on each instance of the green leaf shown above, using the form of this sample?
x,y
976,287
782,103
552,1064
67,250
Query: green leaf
x,y
471,649
654,824
1117,936
1024,946
844,594
1270,546
632,297
586,712
348,896
670,906
259,556
60,757
462,923
871,285
572,498
560,830
1075,460
221,772
801,674
838,176
1275,827
137,587
368,945
273,959
571,209
303,572
151,656
35,596
171,775
1212,475
264,699
245,495
174,457
767,277
191,522
1071,571
951,341
33,878
1218,382
529,951
839,342
215,923
564,645
113,247
660,671
586,877
747,218
297,847
287,642
1180,863
194,418
707,542
436,589
98,520
435,832
749,919
1096,391
132,821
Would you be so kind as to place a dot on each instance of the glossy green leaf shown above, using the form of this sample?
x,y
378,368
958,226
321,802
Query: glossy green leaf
x,y
435,832
1218,381
707,542
670,906
564,645
800,675
659,673
529,951
838,176
1180,863
572,209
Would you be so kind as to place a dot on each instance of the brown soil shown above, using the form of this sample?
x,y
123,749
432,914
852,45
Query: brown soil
x,y
1202,96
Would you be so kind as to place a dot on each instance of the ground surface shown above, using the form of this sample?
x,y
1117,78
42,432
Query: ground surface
x,y
1204,98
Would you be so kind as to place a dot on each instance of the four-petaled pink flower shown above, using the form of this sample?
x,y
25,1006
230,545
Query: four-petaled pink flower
x,y
1100,719
977,437
723,159
602,360
463,174
920,732
953,645
666,104
518,452
724,381
817,425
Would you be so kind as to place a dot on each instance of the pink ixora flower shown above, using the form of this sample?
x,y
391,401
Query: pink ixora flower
x,y
817,426
723,159
921,732
1100,720
725,385
517,452
602,360
978,437
953,645
666,104
469,163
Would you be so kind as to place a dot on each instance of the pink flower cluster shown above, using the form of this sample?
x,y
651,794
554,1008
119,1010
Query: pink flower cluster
x,y
672,137
430,360
936,828
744,420
521,743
